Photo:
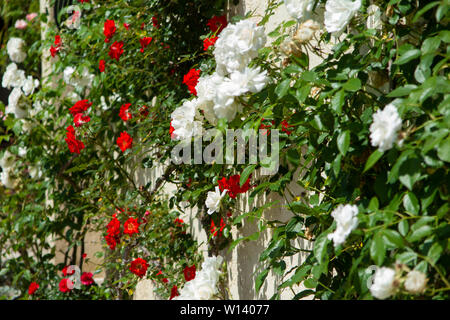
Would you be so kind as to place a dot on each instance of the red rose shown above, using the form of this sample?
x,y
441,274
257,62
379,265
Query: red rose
x,y
232,184
123,113
178,222
142,25
32,288
57,42
285,125
80,107
191,80
171,130
84,256
131,226
86,278
165,280
217,23
81,1
65,285
113,233
222,225
79,119
189,273
139,267
53,51
126,25
213,229
116,50
101,65
209,42
109,28
66,273
145,41
75,146
174,292
124,141
155,22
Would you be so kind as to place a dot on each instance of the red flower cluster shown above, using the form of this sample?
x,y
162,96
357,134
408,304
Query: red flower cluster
x,y
67,273
101,65
209,42
139,267
75,146
145,41
232,184
80,119
123,112
126,25
174,292
32,288
131,226
191,80
116,50
109,28
86,278
266,127
217,23
124,141
214,230
55,49
189,273
113,233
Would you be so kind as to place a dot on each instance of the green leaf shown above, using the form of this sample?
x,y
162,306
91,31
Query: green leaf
x,y
338,101
320,247
408,56
420,233
378,249
246,173
374,157
282,88
443,150
402,91
411,203
435,252
343,142
353,84
403,227
409,172
260,279
394,237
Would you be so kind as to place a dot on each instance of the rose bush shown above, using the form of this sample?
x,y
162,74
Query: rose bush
x,y
365,133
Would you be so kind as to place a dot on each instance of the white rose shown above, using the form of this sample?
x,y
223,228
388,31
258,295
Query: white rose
x,y
13,77
15,47
14,105
29,85
374,18
299,9
7,161
346,222
384,128
383,285
338,14
306,31
213,200
183,121
7,179
416,282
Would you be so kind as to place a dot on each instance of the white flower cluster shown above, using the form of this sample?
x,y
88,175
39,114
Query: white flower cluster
x,y
346,222
15,47
235,48
213,200
384,128
385,283
204,285
6,176
338,14
299,9
22,85
76,80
